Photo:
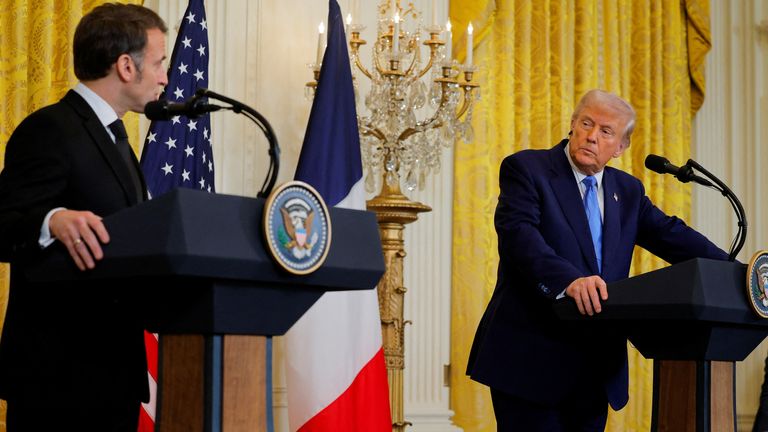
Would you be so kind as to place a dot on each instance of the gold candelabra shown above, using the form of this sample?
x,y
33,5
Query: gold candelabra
x,y
398,148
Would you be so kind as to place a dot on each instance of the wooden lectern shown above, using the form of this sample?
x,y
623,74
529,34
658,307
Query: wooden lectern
x,y
214,293
694,320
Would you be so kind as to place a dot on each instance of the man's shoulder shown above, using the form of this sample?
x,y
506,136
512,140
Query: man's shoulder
x,y
537,154
537,160
625,180
56,115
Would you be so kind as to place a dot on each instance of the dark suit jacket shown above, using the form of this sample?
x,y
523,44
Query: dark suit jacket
x,y
81,340
521,347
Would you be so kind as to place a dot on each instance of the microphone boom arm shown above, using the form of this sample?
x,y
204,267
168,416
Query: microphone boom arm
x,y
741,235
266,128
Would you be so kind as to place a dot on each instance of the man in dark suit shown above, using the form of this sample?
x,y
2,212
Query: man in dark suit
x,y
72,354
567,225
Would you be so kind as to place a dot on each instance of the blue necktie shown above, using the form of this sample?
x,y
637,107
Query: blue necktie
x,y
593,217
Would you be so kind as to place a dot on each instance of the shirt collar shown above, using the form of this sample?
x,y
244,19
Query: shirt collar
x,y
103,110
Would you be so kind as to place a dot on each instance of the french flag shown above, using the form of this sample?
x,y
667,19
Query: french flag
x,y
337,380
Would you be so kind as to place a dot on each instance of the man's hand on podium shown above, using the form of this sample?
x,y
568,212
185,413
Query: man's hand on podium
x,y
82,233
587,292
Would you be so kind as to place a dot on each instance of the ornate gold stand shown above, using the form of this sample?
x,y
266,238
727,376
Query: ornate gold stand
x,y
393,211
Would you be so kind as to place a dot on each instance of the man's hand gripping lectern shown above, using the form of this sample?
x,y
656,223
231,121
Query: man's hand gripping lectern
x,y
201,266
694,320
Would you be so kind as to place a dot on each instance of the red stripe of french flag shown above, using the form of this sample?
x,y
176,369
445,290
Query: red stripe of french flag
x,y
147,412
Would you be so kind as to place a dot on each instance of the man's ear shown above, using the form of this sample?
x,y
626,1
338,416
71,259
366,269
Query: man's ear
x,y
125,68
623,146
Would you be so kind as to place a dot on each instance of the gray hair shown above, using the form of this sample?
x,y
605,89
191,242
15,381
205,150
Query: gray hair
x,y
598,97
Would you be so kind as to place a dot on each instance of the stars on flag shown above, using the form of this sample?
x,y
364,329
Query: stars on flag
x,y
168,169
178,152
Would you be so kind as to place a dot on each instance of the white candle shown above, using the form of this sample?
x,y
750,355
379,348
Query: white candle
x,y
393,8
320,43
434,13
396,34
448,37
349,24
469,45
355,11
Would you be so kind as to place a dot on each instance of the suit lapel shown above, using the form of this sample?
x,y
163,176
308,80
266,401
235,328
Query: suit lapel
x,y
107,148
612,218
568,196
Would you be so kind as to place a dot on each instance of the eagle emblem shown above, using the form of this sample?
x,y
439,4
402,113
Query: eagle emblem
x,y
757,283
298,217
297,227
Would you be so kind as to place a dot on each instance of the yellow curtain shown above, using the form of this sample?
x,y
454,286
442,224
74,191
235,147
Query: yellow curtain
x,y
35,71
536,58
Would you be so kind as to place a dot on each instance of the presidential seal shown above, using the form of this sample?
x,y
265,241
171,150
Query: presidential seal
x,y
297,227
757,283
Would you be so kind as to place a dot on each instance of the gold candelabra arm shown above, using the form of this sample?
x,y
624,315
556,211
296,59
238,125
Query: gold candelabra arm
x,y
432,122
375,132
434,44
468,86
355,43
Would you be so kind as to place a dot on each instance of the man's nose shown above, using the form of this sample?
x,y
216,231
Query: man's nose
x,y
592,135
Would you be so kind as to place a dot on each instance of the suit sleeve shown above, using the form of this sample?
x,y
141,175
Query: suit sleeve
x,y
669,238
521,243
34,177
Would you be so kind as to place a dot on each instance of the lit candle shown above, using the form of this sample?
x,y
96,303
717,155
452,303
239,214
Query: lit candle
x,y
448,37
393,8
396,34
349,24
469,45
320,43
434,13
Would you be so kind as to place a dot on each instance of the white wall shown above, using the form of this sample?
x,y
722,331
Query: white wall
x,y
731,141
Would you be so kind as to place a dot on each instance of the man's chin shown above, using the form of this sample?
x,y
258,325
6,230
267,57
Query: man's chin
x,y
586,165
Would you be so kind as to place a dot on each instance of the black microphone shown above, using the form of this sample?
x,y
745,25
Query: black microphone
x,y
192,108
684,173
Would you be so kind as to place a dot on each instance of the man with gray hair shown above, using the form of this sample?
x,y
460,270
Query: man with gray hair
x,y
567,224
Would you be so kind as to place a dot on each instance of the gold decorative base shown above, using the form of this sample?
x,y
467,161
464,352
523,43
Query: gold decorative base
x,y
393,211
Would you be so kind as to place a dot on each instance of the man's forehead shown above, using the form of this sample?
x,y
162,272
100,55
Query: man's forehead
x,y
603,114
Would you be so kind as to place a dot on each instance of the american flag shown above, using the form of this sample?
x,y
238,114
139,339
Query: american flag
x,y
178,153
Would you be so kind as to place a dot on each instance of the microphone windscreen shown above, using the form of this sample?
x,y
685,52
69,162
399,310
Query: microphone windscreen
x,y
157,110
656,163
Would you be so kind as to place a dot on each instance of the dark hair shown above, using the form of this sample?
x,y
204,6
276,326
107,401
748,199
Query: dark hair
x,y
109,31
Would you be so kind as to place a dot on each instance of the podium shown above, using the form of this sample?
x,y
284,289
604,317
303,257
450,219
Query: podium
x,y
214,293
694,320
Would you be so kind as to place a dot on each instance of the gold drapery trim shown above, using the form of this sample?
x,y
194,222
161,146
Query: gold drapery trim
x,y
536,58
35,71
